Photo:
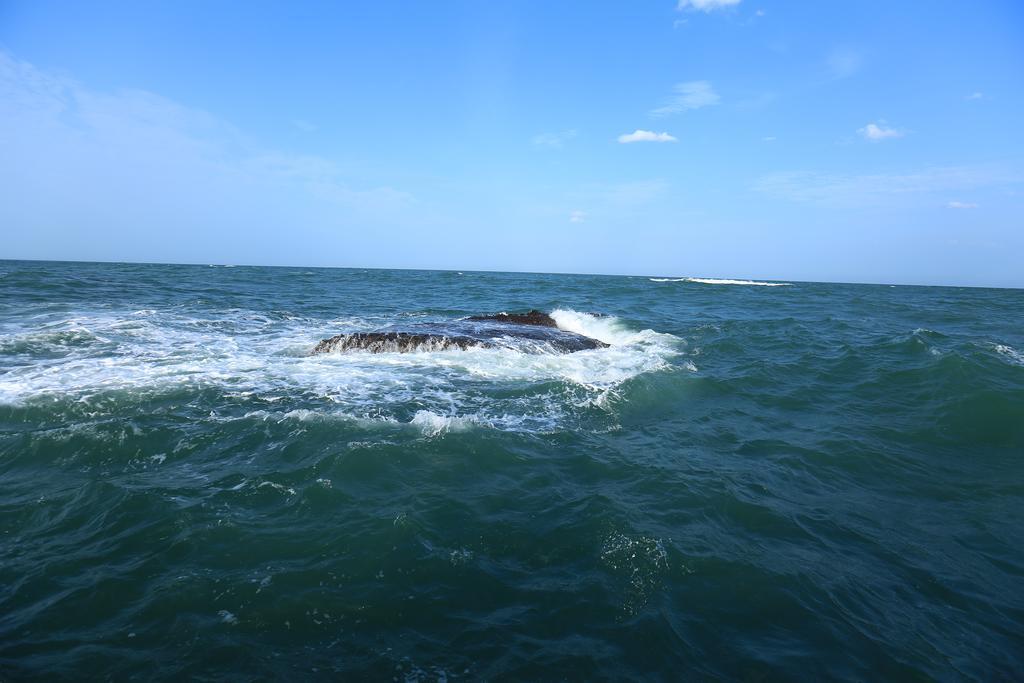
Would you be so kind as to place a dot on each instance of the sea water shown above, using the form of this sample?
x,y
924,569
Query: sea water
x,y
797,481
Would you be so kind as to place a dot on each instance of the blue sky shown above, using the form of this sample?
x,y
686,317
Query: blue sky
x,y
860,141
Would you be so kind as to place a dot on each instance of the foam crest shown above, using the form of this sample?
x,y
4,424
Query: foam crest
x,y
606,328
1010,353
603,328
720,281
432,424
263,361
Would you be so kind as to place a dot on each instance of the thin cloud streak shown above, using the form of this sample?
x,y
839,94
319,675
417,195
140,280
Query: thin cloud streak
x,y
688,96
125,158
829,189
705,6
553,140
844,62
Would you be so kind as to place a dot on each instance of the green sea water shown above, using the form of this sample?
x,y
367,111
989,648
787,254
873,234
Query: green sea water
x,y
804,481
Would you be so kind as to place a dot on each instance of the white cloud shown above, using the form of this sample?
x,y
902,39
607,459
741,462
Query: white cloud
x,y
876,133
553,140
961,205
577,216
975,96
689,95
646,136
768,138
705,5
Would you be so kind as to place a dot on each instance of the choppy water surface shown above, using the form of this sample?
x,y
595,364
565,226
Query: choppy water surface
x,y
796,481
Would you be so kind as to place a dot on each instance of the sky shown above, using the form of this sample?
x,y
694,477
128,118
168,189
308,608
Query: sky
x,y
869,141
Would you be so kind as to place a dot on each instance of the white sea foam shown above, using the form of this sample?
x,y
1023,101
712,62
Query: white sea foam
x,y
433,424
605,328
256,358
277,487
719,281
1010,353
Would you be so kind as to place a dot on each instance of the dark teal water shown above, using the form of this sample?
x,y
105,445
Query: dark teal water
x,y
802,482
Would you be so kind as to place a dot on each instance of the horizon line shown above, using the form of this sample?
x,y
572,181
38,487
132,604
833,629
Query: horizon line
x,y
509,272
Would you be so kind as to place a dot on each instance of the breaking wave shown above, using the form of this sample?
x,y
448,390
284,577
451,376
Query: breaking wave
x,y
718,281
262,360
1010,353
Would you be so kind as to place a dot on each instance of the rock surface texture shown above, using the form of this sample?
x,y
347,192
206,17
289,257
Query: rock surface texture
x,y
532,317
530,332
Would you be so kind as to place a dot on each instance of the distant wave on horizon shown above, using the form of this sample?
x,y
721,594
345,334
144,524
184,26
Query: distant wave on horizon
x,y
719,281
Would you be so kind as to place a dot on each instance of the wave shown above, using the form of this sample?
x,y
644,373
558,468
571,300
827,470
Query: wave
x,y
59,341
254,360
718,281
433,424
1010,353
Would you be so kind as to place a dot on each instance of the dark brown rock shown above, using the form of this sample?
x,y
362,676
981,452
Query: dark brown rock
x,y
530,332
532,317
394,342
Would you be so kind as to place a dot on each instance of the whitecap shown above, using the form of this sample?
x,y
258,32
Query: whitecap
x,y
433,424
721,281
277,487
1010,353
257,361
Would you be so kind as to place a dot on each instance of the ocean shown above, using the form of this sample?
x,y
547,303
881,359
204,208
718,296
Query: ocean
x,y
800,481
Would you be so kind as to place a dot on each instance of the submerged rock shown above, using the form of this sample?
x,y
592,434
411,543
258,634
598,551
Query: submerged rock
x,y
531,317
531,332
394,342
